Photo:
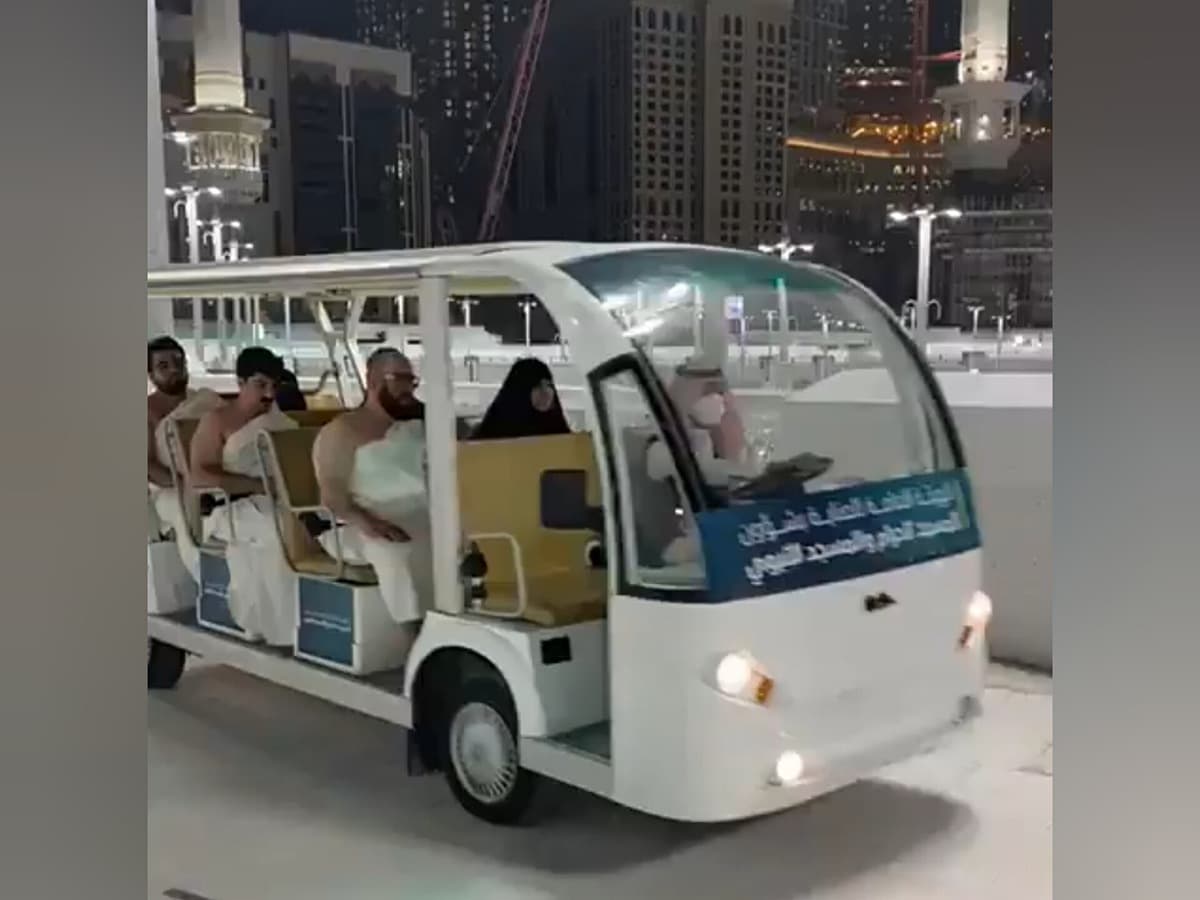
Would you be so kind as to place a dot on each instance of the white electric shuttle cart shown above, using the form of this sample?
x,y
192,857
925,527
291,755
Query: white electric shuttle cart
x,y
707,605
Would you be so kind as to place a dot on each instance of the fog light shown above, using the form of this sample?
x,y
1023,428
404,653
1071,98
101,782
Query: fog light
x,y
789,768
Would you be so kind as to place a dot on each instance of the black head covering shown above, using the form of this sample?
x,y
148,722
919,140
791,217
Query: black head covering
x,y
512,415
288,396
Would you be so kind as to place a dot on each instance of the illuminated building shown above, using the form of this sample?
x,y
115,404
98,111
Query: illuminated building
x,y
839,194
462,55
818,39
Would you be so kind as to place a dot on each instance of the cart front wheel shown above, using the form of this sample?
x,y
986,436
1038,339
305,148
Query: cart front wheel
x,y
164,665
481,755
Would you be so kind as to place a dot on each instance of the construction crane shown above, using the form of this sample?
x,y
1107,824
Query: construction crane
x,y
531,47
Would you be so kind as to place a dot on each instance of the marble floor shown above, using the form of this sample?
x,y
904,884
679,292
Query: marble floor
x,y
258,793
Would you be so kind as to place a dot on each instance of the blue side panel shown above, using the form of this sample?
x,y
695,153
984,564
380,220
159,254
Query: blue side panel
x,y
326,618
213,608
780,545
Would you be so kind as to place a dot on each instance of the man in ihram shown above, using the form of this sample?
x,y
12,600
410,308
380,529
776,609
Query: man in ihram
x,y
370,466
262,586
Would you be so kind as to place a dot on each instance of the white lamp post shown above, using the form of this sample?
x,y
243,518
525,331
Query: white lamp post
x,y
924,216
466,311
186,203
527,308
975,311
785,249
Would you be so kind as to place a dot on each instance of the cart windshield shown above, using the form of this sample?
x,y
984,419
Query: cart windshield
x,y
787,378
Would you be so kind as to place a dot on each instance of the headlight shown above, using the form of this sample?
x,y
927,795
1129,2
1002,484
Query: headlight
x,y
975,620
979,610
740,677
734,674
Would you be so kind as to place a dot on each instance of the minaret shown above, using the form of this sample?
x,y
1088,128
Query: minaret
x,y
222,135
982,113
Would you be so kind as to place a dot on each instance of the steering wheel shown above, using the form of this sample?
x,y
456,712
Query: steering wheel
x,y
800,468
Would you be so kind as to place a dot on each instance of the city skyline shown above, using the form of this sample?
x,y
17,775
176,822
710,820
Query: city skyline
x,y
682,130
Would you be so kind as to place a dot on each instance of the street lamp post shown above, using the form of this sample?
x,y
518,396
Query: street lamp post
x,y
187,205
924,216
1000,319
216,237
527,308
466,310
975,310
785,249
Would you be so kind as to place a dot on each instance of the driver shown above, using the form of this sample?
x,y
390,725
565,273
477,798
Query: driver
x,y
714,425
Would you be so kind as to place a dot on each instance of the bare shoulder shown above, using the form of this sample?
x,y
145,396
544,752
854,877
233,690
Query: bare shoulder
x,y
218,420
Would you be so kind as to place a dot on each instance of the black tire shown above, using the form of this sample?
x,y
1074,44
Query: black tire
x,y
164,666
513,804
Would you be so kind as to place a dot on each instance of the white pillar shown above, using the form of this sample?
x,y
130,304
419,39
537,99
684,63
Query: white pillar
x,y
160,319
217,40
441,442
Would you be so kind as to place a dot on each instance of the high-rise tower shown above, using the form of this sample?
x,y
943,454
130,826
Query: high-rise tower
x,y
983,111
223,136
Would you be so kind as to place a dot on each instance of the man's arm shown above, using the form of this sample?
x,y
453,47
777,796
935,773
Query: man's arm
x,y
333,464
156,472
207,468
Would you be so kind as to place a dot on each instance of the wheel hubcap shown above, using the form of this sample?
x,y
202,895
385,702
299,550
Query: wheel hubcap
x,y
483,752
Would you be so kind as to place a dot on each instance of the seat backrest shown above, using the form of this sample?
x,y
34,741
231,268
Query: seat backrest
x,y
323,401
291,481
179,439
290,463
179,458
519,487
315,417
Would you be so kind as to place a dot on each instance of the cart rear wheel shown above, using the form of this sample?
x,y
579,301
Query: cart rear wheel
x,y
164,665
481,756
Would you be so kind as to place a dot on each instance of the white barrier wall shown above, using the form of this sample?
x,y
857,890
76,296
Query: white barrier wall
x,y
1005,424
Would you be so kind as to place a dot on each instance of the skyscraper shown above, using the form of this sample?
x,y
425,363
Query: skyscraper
x,y
463,53
818,43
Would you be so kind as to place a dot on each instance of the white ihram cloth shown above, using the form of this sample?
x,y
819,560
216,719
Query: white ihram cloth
x,y
262,586
166,510
388,480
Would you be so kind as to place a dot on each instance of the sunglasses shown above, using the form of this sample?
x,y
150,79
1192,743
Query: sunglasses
x,y
401,378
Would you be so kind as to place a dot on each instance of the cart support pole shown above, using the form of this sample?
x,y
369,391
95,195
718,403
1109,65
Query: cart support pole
x,y
440,442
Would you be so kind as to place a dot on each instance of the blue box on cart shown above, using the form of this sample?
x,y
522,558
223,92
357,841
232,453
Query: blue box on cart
x,y
347,628
212,610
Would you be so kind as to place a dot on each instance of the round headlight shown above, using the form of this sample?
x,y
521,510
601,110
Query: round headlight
x,y
733,674
979,610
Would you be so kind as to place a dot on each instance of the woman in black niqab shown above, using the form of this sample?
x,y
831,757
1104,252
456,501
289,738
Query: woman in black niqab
x,y
526,405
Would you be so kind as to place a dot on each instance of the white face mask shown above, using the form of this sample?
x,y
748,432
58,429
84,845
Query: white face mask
x,y
709,410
